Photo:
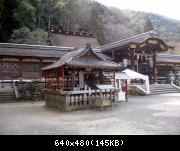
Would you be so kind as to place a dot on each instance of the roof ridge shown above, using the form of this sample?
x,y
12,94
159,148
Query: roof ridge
x,y
28,46
151,33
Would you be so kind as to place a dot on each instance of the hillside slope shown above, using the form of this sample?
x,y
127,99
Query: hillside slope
x,y
169,29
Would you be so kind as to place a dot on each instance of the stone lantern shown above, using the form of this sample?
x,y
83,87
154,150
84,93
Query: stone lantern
x,y
171,77
178,77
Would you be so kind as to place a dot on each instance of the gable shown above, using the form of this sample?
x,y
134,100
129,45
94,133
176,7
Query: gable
x,y
90,55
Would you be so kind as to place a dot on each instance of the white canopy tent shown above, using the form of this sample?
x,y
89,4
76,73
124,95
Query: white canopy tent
x,y
133,75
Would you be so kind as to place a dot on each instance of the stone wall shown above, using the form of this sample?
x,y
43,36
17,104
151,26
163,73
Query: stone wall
x,y
30,90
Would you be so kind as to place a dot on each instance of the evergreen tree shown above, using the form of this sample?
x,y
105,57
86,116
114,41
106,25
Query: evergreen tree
x,y
7,20
25,14
1,10
25,36
97,23
148,26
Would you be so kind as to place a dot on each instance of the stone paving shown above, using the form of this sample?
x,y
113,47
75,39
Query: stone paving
x,y
151,115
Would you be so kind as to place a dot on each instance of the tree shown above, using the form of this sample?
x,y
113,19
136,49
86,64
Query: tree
x,y
1,10
97,23
47,10
7,20
25,36
40,37
25,14
22,36
148,26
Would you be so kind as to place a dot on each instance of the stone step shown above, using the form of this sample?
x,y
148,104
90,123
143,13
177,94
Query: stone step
x,y
161,89
165,91
161,93
7,95
7,99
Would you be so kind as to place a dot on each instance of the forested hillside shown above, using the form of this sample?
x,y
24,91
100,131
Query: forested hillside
x,y
29,21
168,28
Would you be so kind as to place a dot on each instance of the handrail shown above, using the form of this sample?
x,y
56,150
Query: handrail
x,y
16,90
175,86
139,88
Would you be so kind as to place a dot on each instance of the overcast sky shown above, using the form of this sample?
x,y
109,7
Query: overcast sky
x,y
169,8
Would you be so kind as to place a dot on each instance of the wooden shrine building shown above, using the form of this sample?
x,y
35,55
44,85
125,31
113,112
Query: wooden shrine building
x,y
138,53
21,61
144,53
70,81
167,63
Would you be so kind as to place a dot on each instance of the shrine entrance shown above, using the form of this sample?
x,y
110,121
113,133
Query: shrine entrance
x,y
138,53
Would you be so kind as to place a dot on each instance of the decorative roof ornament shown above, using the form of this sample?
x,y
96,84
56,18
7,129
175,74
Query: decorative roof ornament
x,y
153,33
88,46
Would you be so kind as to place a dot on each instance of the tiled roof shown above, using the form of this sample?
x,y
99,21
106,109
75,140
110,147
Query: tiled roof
x,y
138,39
78,59
24,50
168,58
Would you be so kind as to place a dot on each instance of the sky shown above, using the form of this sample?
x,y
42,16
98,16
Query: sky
x,y
168,8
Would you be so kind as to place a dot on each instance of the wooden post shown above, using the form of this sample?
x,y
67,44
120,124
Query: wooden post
x,y
132,61
137,63
111,98
73,81
45,80
63,79
95,96
40,65
20,68
154,68
2,74
101,98
114,79
81,80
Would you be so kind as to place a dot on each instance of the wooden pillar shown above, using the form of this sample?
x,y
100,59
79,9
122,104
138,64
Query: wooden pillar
x,y
155,68
40,66
20,68
45,80
137,59
113,55
114,79
101,77
81,79
63,79
2,75
132,62
73,81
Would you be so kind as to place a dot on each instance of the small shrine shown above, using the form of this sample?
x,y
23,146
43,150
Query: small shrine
x,y
79,80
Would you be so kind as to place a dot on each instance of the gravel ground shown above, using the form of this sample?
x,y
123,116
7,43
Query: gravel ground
x,y
151,115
